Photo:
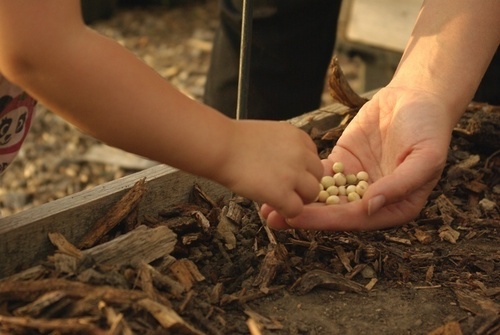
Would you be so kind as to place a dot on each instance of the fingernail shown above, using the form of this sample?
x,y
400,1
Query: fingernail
x,y
375,204
289,223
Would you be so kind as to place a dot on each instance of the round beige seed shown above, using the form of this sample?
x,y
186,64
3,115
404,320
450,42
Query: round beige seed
x,y
327,181
361,187
340,179
350,189
353,197
323,195
333,190
362,175
332,200
351,179
338,167
320,189
342,190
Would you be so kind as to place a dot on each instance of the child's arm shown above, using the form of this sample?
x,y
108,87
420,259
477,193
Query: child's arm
x,y
103,89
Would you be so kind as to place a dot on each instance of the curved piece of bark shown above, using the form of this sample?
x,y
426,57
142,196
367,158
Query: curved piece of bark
x,y
339,87
327,280
115,215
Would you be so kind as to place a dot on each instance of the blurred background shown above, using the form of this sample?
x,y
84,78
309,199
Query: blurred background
x,y
372,32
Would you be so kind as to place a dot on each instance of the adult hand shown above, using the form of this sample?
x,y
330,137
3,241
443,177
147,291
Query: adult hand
x,y
401,139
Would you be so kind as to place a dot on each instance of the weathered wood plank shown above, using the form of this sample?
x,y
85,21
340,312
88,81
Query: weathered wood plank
x,y
142,244
23,236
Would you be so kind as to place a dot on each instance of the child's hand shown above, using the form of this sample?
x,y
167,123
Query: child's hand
x,y
401,139
272,162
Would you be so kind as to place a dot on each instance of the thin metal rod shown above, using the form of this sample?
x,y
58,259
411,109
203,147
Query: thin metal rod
x,y
244,70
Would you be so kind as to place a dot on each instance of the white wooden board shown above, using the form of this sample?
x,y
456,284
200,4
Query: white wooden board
x,y
386,24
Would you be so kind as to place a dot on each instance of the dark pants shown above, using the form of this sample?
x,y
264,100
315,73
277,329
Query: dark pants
x,y
489,89
292,44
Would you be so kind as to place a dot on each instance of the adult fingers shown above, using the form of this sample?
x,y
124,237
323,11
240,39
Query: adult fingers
x,y
345,217
408,182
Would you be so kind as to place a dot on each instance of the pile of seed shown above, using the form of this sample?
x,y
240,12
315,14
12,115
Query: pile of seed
x,y
352,186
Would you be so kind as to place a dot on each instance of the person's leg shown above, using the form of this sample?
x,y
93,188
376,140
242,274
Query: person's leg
x,y
489,89
292,44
